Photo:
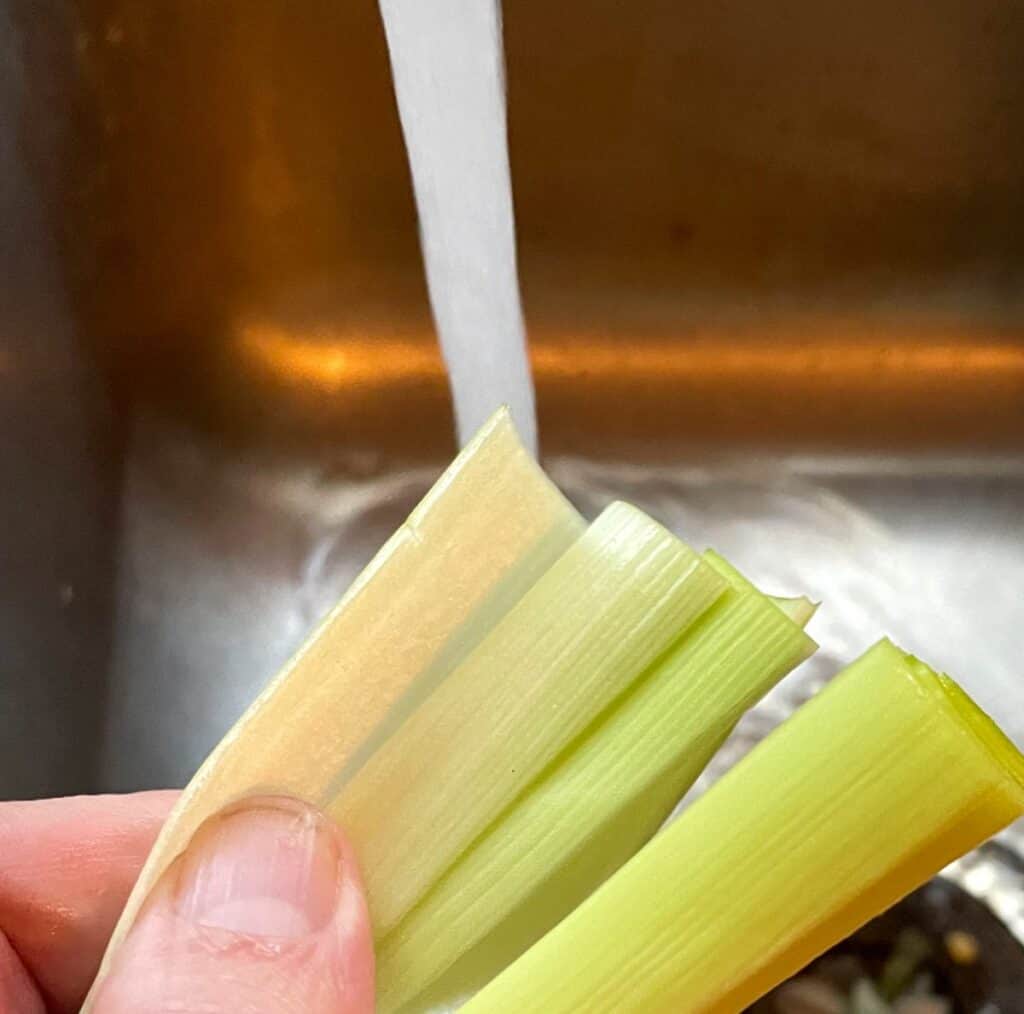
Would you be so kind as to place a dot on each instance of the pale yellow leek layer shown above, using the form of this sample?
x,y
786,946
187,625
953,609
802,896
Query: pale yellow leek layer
x,y
589,627
870,789
491,525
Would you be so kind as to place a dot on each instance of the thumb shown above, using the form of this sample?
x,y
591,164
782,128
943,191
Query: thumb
x,y
263,912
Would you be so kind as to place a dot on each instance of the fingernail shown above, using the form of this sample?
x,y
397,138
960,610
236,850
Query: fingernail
x,y
265,869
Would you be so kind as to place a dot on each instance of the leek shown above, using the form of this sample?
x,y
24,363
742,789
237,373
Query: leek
x,y
610,605
887,775
596,805
490,526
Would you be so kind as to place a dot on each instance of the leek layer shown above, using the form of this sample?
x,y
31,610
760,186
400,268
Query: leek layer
x,y
875,785
588,628
491,525
599,802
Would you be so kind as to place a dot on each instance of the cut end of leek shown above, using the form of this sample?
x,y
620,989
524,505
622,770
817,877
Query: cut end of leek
x,y
800,610
1001,748
975,723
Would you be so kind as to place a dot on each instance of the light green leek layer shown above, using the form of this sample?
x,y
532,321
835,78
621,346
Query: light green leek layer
x,y
887,775
596,620
591,809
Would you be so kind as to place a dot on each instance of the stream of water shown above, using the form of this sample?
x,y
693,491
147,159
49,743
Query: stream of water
x,y
448,67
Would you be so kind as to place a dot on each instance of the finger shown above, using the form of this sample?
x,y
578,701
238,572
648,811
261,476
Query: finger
x,y
263,914
17,991
66,867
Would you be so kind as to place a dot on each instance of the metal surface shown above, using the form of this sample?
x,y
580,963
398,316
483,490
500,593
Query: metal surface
x,y
772,273
59,474
735,221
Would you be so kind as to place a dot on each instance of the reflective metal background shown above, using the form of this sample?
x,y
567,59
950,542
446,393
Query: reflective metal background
x,y
772,263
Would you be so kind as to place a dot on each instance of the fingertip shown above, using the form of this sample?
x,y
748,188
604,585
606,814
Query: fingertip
x,y
264,911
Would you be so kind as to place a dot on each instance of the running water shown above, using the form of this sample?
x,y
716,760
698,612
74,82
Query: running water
x,y
448,68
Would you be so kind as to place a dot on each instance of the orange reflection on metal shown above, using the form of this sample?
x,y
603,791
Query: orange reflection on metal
x,y
335,359
683,359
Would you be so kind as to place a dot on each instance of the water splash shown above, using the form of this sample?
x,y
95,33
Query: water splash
x,y
448,68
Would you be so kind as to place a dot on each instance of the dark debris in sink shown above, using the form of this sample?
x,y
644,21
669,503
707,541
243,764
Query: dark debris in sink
x,y
939,951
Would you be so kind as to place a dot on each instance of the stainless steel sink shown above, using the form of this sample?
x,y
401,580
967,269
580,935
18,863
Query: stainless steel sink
x,y
774,278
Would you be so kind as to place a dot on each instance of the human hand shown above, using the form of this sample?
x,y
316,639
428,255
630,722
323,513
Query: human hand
x,y
264,912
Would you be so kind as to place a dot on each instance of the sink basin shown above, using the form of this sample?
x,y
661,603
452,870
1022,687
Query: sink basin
x,y
772,271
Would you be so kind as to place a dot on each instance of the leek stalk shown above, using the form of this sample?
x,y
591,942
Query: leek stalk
x,y
866,792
